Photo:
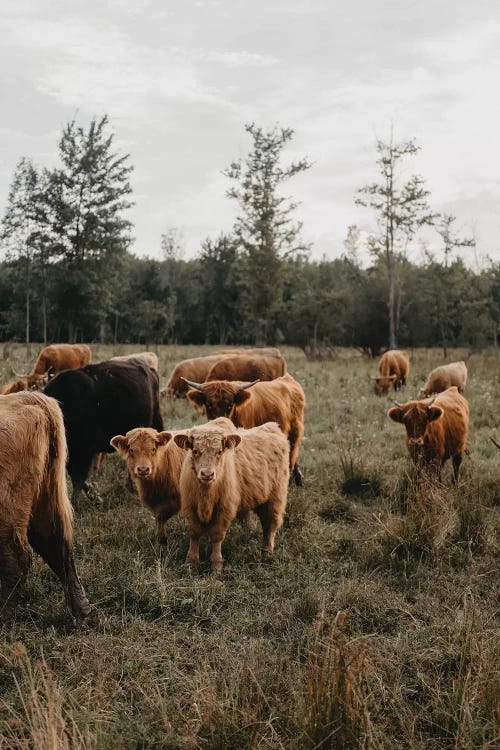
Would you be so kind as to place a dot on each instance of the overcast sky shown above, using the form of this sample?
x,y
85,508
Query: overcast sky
x,y
180,78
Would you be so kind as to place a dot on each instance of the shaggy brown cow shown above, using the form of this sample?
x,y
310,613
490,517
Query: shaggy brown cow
x,y
393,368
34,506
218,482
436,429
250,404
150,358
445,376
246,368
14,387
154,462
56,358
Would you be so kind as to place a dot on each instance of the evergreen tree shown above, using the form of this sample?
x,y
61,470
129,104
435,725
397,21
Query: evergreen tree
x,y
265,228
87,196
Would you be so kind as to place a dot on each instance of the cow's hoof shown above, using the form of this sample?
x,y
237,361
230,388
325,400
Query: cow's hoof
x,y
266,556
216,567
298,477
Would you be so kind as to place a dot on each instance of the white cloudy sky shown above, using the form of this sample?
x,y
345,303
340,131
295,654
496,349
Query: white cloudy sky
x,y
179,78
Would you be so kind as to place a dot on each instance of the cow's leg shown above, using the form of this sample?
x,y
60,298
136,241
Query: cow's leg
x,y
79,474
193,555
216,555
270,523
457,460
161,521
49,541
295,437
15,561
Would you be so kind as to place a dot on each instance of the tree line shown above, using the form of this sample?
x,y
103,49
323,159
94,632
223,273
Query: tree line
x,y
68,272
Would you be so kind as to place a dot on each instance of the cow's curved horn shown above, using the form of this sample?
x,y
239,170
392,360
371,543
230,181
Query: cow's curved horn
x,y
396,402
431,401
191,384
19,374
495,442
244,386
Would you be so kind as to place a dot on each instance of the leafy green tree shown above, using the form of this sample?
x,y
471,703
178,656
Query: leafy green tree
x,y
88,195
265,228
401,208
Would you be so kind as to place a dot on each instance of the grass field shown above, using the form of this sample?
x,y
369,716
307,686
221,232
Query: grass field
x,y
375,626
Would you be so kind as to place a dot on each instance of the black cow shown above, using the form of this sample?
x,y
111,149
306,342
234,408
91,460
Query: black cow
x,y
99,402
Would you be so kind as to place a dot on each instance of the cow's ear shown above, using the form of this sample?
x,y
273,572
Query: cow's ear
x,y
163,438
232,441
119,443
197,398
242,396
396,414
434,412
183,441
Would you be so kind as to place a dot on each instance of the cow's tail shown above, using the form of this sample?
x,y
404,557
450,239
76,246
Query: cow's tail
x,y
58,502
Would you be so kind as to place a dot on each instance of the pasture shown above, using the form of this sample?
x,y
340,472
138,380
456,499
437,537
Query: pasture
x,y
375,625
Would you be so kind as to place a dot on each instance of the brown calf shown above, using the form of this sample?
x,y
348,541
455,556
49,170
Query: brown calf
x,y
444,377
35,511
154,462
227,473
56,358
393,368
436,429
250,404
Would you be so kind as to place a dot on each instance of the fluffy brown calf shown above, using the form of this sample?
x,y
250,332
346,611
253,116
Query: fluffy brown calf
x,y
150,358
35,511
444,377
154,462
246,368
393,368
250,404
436,429
227,473
56,358
16,386
259,351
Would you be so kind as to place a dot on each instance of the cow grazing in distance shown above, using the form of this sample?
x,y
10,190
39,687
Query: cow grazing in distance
x,y
393,368
445,376
436,429
54,359
228,473
251,404
258,351
196,368
247,368
154,462
99,402
150,358
35,511
16,386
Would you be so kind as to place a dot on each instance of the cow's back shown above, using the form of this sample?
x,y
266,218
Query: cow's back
x,y
248,368
455,420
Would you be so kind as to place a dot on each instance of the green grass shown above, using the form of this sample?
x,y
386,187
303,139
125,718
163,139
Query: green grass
x,y
375,626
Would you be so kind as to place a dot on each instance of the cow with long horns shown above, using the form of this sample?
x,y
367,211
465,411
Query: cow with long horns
x,y
436,429
249,404
53,359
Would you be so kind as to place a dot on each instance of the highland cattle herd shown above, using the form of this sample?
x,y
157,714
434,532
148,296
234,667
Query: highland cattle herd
x,y
241,460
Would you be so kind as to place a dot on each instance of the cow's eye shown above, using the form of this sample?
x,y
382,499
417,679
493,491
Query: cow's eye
x,y
219,453
131,451
154,450
196,453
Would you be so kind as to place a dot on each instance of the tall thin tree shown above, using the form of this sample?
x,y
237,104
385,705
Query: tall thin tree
x,y
401,208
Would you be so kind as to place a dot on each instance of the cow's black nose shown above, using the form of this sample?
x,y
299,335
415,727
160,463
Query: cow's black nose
x,y
143,471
